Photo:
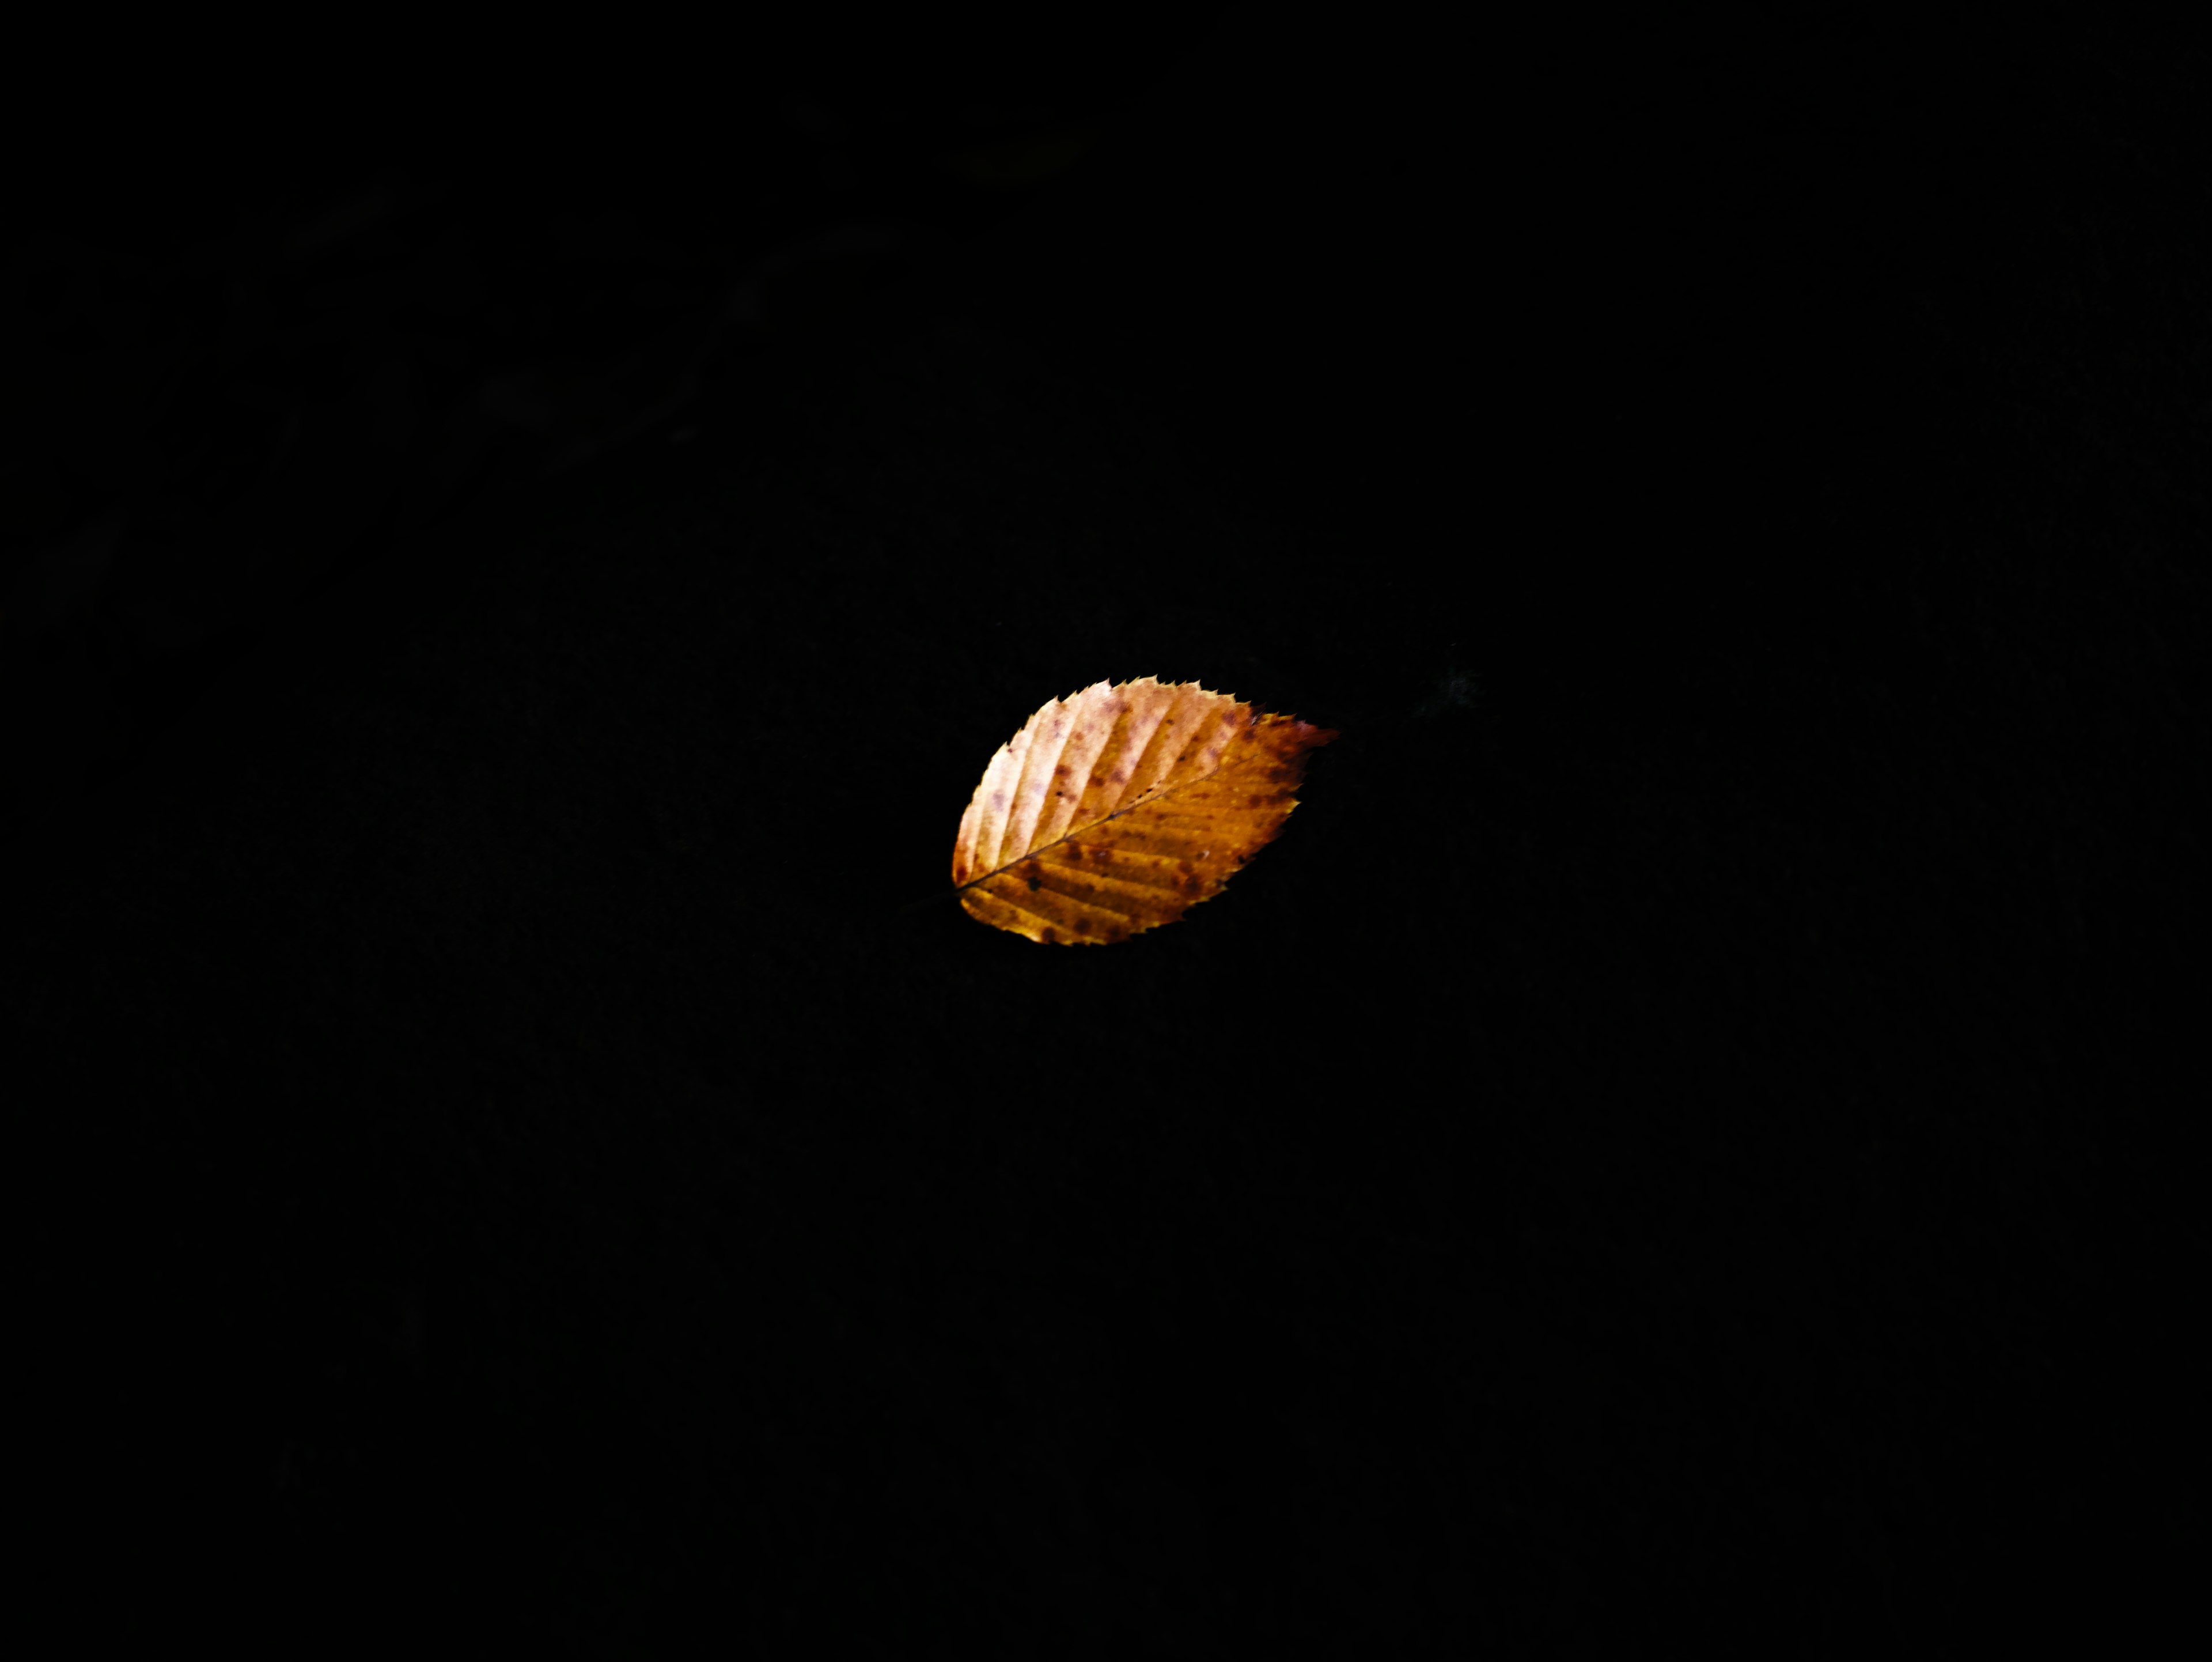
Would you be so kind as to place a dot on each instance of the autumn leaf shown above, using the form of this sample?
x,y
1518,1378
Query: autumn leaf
x,y
1118,808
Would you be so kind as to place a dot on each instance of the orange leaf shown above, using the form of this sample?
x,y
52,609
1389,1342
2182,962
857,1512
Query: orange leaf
x,y
1117,809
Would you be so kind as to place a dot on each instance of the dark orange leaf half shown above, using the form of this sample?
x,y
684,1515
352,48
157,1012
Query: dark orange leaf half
x,y
1118,808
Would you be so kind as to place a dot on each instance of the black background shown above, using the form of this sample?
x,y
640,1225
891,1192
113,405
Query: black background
x,y
513,574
